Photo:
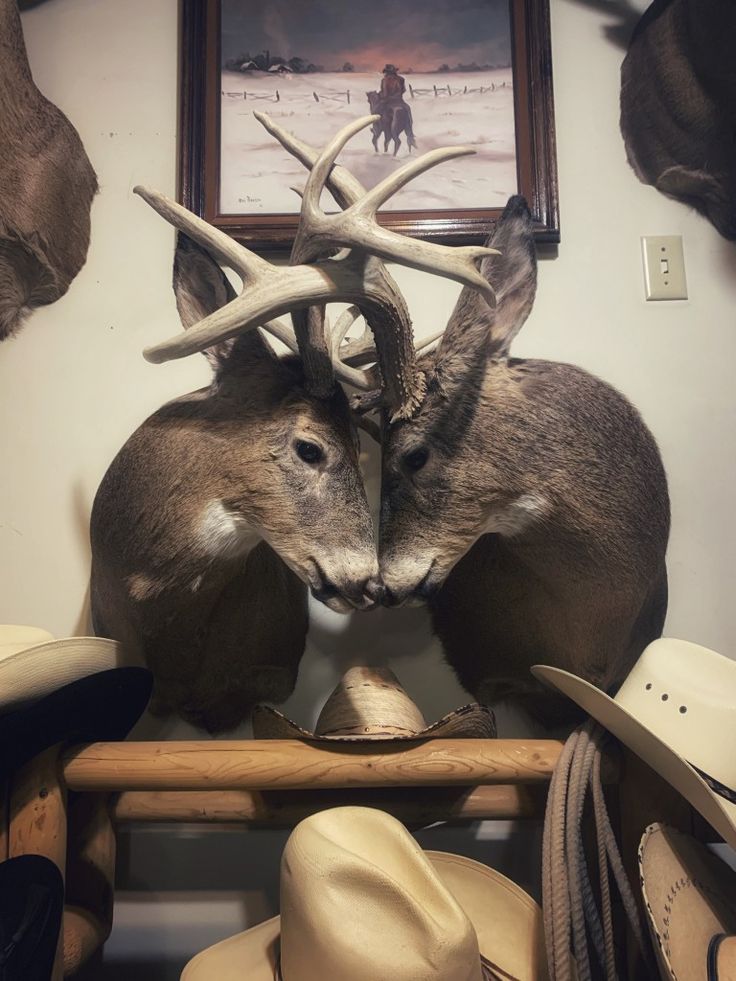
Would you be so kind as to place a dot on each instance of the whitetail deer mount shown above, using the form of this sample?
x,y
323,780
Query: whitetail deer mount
x,y
228,503
46,187
678,105
525,501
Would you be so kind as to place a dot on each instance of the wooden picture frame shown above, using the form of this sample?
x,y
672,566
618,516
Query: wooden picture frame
x,y
199,139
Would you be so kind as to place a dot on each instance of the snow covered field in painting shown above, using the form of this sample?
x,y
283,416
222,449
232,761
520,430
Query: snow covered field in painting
x,y
256,172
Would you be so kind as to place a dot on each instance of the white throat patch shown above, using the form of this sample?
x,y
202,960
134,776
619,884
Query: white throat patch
x,y
514,518
223,533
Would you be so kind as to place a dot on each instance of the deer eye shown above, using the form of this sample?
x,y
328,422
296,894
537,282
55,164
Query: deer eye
x,y
309,452
416,459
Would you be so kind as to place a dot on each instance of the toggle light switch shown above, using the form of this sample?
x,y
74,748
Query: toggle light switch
x,y
664,267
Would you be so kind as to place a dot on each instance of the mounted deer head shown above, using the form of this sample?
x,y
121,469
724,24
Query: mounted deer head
x,y
525,501
46,187
226,502
678,105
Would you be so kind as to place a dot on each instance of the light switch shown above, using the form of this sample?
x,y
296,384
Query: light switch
x,y
664,267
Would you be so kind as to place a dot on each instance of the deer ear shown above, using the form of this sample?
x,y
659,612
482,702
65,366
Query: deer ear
x,y
475,329
201,287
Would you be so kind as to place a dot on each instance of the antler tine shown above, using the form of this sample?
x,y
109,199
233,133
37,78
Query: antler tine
x,y
343,324
307,246
381,192
363,380
428,344
223,248
283,333
345,188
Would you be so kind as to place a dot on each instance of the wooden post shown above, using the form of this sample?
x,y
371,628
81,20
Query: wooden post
x,y
435,90
316,97
278,97
411,90
38,821
90,879
348,95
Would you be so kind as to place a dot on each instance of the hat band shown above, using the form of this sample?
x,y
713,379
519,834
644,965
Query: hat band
x,y
488,972
716,786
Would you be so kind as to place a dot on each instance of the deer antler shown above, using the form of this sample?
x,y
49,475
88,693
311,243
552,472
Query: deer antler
x,y
356,276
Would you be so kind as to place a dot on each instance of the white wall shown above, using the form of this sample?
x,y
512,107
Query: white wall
x,y
73,386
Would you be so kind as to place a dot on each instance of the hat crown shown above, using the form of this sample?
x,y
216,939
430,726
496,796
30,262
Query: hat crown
x,y
369,701
359,899
686,695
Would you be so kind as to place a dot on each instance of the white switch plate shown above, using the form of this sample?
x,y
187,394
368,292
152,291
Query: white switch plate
x,y
664,267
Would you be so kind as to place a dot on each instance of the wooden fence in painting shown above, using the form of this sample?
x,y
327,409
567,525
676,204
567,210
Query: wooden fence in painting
x,y
345,96
327,95
440,90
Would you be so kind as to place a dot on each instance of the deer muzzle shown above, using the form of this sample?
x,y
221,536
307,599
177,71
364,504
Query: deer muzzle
x,y
344,592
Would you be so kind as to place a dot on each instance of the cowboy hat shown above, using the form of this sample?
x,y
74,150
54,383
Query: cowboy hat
x,y
102,706
672,711
33,664
360,900
369,703
690,899
31,901
390,69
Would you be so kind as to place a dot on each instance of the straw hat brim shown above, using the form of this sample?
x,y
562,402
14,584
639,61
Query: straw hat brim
x,y
717,811
34,672
469,722
690,898
507,921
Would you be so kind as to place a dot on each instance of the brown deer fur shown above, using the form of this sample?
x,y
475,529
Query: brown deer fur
x,y
525,501
208,524
46,187
678,105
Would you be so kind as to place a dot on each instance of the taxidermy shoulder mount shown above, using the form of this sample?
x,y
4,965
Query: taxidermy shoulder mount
x,y
228,504
46,187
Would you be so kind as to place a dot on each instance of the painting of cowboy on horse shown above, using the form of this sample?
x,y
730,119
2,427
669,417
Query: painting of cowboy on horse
x,y
396,117
433,73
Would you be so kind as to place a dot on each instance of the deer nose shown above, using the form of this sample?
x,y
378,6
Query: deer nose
x,y
374,589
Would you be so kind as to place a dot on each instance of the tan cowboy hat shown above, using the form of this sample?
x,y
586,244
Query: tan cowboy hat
x,y
369,703
690,898
361,901
33,664
677,711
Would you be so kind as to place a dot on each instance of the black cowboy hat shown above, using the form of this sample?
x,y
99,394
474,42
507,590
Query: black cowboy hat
x,y
99,707
31,904
390,68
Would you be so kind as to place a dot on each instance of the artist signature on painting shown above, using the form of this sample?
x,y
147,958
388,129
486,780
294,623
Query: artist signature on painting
x,y
249,200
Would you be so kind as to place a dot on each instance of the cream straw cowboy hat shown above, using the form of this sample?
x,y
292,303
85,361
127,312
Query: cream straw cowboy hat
x,y
361,901
690,898
677,711
369,703
33,664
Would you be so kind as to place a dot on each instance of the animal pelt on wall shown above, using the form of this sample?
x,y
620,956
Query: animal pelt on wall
x,y
46,187
678,105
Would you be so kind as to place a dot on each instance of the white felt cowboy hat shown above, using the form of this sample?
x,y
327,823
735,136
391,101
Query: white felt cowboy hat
x,y
33,664
369,703
690,899
677,711
361,901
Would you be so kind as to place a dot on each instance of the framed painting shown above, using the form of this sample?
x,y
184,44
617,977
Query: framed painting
x,y
437,72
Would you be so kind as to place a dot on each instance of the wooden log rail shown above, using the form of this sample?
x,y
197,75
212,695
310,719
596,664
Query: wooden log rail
x,y
279,764
416,806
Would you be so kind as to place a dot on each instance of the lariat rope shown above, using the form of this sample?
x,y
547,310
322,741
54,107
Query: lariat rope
x,y
573,924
